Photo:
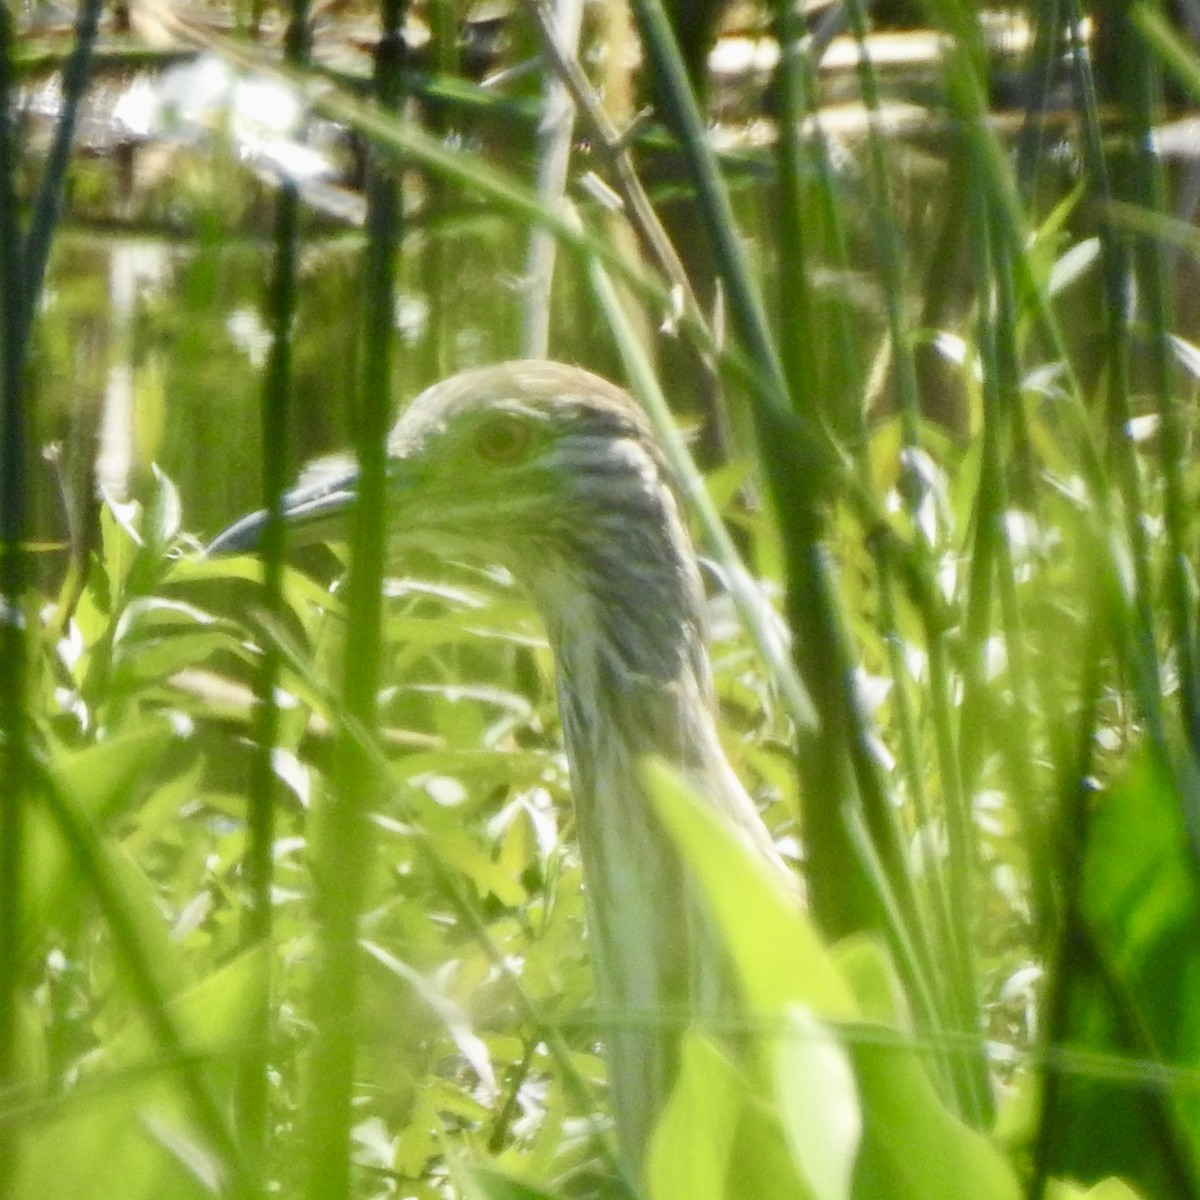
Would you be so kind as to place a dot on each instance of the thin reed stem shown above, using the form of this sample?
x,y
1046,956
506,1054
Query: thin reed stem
x,y
344,844
258,925
47,207
838,766
971,1087
14,773
555,131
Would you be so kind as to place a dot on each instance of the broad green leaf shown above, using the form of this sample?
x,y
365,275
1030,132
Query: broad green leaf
x,y
481,1182
103,776
159,815
464,856
818,1104
914,1148
1140,899
119,884
214,1016
1106,1189
762,1163
865,966
779,957
306,597
103,780
148,656
163,514
688,1157
128,1131
418,1142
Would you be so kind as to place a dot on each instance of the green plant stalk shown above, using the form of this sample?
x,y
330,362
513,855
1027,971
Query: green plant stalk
x,y
938,928
993,579
1186,69
1142,102
253,1082
972,1091
1042,63
986,533
1134,640
554,142
344,845
47,207
838,768
614,146
1081,948
1075,773
37,57
14,780
1132,632
990,162
1138,637
933,929
746,311
799,337
840,383
1170,47
1004,408
22,269
263,791
1172,1133
795,312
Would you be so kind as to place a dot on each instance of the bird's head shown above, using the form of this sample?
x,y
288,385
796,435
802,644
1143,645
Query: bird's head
x,y
543,468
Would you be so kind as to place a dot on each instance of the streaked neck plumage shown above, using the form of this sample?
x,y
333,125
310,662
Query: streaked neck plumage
x,y
623,607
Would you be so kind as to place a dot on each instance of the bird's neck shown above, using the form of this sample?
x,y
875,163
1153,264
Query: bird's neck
x,y
631,684
626,624
634,680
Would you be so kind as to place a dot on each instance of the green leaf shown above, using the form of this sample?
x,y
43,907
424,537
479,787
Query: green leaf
x,y
818,1104
1131,994
163,514
1107,1189
689,1153
780,959
914,1148
486,1183
103,776
213,1016
487,876
104,780
129,1132
148,658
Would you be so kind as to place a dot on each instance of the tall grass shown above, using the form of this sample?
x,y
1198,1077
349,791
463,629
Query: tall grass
x,y
980,740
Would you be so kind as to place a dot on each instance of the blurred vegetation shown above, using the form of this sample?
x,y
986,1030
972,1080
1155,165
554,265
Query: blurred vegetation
x,y
289,897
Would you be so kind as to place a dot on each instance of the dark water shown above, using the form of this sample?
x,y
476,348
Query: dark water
x,y
154,328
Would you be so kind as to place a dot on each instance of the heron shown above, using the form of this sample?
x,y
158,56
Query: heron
x,y
554,473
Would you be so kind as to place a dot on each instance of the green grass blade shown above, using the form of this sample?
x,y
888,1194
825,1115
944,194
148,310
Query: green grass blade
x,y
344,846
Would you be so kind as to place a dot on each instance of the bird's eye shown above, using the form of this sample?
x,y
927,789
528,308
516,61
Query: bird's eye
x,y
503,439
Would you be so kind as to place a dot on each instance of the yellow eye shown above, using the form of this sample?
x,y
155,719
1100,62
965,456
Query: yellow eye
x,y
503,438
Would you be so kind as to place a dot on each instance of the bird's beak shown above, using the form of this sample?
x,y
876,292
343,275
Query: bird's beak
x,y
314,511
